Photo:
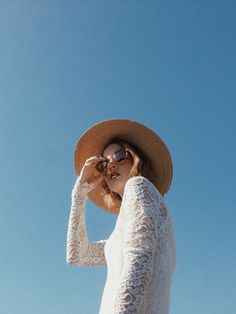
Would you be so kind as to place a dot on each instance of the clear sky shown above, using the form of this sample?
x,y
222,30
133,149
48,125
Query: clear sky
x,y
66,65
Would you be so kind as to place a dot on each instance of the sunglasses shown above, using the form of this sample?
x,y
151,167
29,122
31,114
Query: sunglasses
x,y
118,156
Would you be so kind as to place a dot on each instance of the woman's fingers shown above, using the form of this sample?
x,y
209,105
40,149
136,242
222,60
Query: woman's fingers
x,y
95,158
89,172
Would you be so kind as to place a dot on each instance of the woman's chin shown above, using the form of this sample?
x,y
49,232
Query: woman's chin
x,y
116,185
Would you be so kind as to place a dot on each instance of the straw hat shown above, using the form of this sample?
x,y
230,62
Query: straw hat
x,y
95,139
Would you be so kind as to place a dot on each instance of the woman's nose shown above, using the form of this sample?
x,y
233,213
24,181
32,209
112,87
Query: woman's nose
x,y
111,166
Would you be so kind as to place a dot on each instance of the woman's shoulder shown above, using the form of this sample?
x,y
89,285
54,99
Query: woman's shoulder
x,y
138,180
140,183
140,193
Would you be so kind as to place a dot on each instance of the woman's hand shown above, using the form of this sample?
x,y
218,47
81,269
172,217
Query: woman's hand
x,y
89,172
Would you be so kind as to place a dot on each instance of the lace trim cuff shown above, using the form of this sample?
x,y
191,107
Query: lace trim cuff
x,y
81,189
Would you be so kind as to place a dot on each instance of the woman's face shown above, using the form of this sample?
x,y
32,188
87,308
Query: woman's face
x,y
122,169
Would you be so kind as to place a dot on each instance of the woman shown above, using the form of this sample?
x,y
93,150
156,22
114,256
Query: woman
x,y
125,168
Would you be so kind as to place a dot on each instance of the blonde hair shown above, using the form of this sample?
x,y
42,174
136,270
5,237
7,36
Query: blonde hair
x,y
141,166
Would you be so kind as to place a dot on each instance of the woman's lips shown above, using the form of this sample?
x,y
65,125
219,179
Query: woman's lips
x,y
114,175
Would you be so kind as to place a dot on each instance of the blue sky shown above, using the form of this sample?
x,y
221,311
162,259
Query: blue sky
x,y
67,65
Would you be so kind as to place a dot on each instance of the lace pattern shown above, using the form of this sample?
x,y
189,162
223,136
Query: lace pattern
x,y
142,222
140,253
80,251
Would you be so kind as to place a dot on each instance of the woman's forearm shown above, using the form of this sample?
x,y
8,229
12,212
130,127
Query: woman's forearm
x,y
79,251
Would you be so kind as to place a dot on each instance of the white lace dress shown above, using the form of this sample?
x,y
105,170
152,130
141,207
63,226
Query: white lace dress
x,y
140,254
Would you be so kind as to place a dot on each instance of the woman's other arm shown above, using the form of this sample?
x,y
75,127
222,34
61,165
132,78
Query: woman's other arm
x,y
79,251
141,216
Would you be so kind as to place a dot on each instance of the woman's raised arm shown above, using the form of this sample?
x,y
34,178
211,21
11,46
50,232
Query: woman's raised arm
x,y
79,251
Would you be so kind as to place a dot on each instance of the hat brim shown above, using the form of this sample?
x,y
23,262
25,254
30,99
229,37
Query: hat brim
x,y
95,139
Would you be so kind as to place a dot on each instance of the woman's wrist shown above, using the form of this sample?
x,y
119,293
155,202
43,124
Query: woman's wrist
x,y
82,186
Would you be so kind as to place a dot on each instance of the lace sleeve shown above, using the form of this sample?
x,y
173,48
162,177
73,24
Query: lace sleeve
x,y
79,250
140,238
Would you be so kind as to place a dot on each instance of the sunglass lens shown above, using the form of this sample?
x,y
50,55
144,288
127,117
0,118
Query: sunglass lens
x,y
120,155
101,166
